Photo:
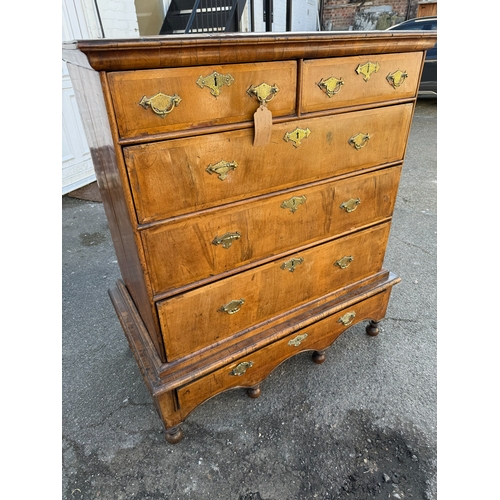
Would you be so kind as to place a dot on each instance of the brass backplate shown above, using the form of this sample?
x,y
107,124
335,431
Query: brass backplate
x,y
240,369
397,78
296,136
293,203
215,82
232,307
226,240
350,205
297,340
344,262
347,318
359,141
161,104
221,168
331,86
263,92
367,69
291,264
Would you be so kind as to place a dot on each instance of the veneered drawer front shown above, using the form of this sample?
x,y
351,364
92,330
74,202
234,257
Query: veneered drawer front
x,y
255,367
179,176
366,79
198,107
196,247
202,317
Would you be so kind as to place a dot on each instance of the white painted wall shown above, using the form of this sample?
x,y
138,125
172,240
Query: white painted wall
x,y
80,21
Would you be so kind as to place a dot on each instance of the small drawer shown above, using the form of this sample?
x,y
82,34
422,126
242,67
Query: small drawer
x,y
251,370
197,247
206,315
358,80
179,176
164,100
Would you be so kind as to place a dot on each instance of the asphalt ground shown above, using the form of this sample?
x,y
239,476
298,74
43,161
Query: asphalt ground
x,y
361,425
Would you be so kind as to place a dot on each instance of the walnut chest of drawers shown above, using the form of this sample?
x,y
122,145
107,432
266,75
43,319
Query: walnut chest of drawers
x,y
249,183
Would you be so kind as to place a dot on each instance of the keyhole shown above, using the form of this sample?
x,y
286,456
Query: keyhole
x,y
215,81
297,134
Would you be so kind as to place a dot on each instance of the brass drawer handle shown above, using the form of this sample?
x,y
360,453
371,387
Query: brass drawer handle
x,y
240,369
232,307
397,78
161,104
344,262
359,141
347,318
331,86
291,264
215,82
350,205
297,136
293,203
226,240
367,69
263,92
297,340
222,168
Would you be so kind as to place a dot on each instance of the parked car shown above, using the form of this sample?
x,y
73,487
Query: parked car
x,y
428,82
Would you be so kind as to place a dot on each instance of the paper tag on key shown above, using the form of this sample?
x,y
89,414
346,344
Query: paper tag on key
x,y
263,123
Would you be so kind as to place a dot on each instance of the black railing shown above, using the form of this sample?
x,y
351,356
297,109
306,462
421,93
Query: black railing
x,y
202,16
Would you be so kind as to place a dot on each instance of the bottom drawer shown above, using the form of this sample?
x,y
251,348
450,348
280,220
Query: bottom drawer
x,y
252,369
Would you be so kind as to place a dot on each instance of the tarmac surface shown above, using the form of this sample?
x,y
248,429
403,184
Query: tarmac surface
x,y
361,425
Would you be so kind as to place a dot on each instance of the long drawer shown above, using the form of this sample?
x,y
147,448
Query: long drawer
x,y
197,247
183,175
164,100
346,81
254,368
204,316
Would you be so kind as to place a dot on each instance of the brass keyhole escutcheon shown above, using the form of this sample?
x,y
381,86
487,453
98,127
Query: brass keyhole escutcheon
x,y
367,69
221,168
263,92
215,82
291,264
397,78
344,262
350,205
241,368
226,240
293,203
297,340
296,136
331,86
232,307
161,104
347,318
359,141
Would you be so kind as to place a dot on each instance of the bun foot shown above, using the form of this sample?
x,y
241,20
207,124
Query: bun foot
x,y
372,328
254,392
318,357
174,434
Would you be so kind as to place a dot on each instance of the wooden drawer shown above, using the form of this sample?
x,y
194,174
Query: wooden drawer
x,y
202,317
255,367
187,250
359,87
198,106
171,177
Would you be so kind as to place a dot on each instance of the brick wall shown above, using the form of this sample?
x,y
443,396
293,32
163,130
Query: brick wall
x,y
340,14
